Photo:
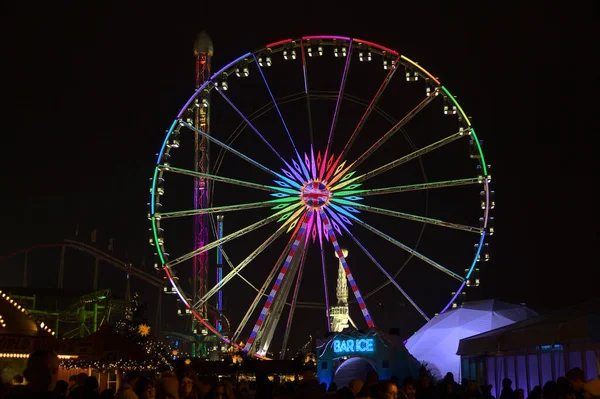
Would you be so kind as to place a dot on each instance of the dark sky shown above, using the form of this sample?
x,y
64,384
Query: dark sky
x,y
88,93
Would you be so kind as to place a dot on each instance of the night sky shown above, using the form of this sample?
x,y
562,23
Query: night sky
x,y
88,94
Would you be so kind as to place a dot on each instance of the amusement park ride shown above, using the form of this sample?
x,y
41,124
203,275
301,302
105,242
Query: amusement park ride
x,y
82,314
323,192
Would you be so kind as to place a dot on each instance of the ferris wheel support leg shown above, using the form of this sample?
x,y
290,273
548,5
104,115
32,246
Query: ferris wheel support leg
x,y
322,249
298,238
288,324
265,285
342,258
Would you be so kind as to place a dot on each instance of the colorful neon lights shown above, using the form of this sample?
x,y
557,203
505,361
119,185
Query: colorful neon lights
x,y
278,43
349,346
325,37
386,49
314,182
421,69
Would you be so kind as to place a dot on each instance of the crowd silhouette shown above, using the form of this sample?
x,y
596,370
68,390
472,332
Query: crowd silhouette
x,y
40,381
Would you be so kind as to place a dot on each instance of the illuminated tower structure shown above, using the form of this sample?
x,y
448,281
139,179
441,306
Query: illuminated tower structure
x,y
203,51
339,314
219,274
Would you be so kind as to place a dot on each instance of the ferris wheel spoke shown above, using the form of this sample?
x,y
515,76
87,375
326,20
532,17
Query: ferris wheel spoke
x,y
395,163
399,244
285,179
342,258
365,116
298,238
228,180
390,278
301,163
408,216
288,324
225,208
265,285
307,93
337,108
409,187
245,262
279,215
255,130
226,257
388,135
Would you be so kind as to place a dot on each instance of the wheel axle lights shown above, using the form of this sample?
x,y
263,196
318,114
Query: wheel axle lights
x,y
315,194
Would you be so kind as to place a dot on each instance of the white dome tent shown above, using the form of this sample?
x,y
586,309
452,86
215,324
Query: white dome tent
x,y
436,343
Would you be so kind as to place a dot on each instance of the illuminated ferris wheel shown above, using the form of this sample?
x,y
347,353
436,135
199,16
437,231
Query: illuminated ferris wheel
x,y
321,144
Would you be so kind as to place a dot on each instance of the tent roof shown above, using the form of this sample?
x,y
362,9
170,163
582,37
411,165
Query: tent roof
x,y
579,323
437,341
16,321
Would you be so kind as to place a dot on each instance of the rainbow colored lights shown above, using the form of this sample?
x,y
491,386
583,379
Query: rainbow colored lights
x,y
317,195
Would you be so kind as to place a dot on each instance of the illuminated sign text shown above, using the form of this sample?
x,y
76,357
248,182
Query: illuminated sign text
x,y
353,345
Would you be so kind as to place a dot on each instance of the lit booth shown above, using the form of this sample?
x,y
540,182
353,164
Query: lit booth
x,y
535,351
351,354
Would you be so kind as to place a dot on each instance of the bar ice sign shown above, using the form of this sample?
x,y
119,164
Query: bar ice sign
x,y
353,345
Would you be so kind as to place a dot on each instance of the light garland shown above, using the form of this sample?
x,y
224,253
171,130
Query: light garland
x,y
26,355
22,309
122,364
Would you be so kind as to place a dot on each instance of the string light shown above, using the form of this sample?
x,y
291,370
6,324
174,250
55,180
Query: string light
x,y
123,365
41,325
26,355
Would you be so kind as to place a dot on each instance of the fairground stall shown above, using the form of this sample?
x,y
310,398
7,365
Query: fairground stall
x,y
21,335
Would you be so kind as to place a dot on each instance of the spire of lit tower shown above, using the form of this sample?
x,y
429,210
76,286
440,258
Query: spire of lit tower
x,y
339,314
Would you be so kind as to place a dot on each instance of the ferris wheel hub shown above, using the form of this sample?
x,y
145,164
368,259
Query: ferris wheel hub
x,y
315,194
